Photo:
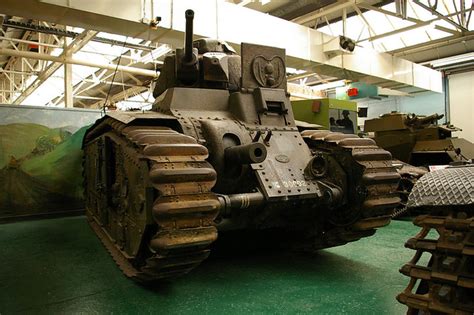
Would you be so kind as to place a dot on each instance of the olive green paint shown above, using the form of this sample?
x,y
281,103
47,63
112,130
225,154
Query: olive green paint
x,y
58,266
302,110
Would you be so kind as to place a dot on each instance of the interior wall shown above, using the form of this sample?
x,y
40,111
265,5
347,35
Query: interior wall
x,y
425,103
41,159
461,103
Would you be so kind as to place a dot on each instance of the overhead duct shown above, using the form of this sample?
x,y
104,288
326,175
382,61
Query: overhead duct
x,y
304,46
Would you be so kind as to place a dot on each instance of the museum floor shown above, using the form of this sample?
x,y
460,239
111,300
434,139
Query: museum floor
x,y
59,266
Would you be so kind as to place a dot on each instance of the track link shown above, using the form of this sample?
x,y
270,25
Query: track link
x,y
372,185
409,175
404,188
184,209
446,283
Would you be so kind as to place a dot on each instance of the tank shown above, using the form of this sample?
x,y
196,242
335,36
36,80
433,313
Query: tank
x,y
419,140
220,152
441,271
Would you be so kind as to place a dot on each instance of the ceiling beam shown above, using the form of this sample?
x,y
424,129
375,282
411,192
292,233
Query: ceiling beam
x,y
439,48
127,93
305,47
417,24
76,61
298,8
395,32
312,16
386,12
79,42
441,16
351,14
17,40
71,34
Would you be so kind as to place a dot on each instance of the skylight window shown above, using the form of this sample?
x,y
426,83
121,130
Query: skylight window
x,y
388,33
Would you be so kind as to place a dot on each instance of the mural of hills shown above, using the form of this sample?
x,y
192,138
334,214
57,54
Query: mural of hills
x,y
40,159
20,140
24,193
62,166
40,169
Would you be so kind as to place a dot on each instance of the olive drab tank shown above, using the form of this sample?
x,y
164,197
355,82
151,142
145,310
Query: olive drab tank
x,y
220,151
419,140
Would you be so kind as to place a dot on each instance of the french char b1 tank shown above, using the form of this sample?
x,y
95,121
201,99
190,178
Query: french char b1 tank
x,y
220,151
442,270
419,140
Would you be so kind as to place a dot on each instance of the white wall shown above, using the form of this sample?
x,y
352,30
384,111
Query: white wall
x,y
461,103
425,103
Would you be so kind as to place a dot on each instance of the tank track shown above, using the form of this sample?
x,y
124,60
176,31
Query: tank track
x,y
374,186
409,176
184,209
404,188
444,285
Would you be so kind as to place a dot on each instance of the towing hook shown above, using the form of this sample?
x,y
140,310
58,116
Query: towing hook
x,y
268,136
257,136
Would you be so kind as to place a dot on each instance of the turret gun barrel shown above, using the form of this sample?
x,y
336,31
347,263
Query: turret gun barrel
x,y
430,118
419,121
254,152
188,46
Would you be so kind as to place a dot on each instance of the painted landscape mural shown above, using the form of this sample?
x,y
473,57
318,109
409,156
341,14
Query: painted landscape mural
x,y
41,159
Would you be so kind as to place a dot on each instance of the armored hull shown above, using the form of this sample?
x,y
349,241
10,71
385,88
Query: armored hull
x,y
220,151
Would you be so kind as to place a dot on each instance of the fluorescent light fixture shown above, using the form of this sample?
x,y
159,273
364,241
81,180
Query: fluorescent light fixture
x,y
330,85
244,3
452,60
293,71
404,31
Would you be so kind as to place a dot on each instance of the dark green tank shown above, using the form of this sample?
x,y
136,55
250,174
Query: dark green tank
x,y
419,140
220,151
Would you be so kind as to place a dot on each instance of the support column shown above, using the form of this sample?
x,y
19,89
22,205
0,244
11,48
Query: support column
x,y
68,93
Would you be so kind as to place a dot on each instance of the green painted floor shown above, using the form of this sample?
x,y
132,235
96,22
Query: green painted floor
x,y
58,266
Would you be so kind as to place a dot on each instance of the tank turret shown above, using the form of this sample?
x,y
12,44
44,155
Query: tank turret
x,y
203,63
418,121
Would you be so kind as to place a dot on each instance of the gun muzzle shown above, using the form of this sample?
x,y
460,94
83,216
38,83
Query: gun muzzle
x,y
254,152
188,45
